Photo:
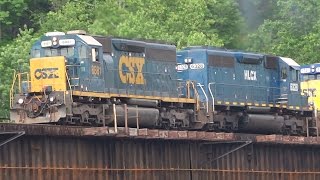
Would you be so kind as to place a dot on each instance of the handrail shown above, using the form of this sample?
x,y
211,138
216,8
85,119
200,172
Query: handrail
x,y
209,85
28,81
17,76
207,100
276,96
196,94
12,88
188,90
69,84
247,85
264,88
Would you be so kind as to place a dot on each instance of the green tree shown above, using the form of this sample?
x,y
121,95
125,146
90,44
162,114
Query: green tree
x,y
226,21
17,13
13,57
194,22
10,12
73,15
293,31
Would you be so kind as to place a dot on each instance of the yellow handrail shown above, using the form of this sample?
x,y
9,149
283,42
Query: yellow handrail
x,y
195,92
17,76
12,88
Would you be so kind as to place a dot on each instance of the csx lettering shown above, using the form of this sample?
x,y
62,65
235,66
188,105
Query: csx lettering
x,y
130,70
46,73
309,92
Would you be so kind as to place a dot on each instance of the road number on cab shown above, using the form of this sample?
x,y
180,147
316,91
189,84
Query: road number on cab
x,y
197,66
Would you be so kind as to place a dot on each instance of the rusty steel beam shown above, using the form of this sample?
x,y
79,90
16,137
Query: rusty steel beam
x,y
157,169
243,144
15,136
79,158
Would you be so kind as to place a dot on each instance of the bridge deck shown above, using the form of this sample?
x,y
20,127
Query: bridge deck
x,y
134,133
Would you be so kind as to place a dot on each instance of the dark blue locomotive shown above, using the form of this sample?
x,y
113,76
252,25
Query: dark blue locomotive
x,y
246,91
75,78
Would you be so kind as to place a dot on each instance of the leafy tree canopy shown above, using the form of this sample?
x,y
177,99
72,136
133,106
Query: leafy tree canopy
x,y
194,22
13,57
293,31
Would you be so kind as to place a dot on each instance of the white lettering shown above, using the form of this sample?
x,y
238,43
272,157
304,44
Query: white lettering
x,y
305,70
294,87
67,42
46,43
197,66
182,67
250,75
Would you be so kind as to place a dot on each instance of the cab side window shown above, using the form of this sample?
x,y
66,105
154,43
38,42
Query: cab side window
x,y
83,52
284,73
294,75
35,53
95,54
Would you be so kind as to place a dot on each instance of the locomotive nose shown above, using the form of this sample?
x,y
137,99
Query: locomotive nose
x,y
48,74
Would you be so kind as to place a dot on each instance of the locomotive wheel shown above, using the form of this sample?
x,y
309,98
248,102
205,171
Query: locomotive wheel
x,y
165,125
85,117
172,122
293,128
180,125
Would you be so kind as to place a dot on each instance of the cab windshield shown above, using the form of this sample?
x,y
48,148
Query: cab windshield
x,y
49,52
67,52
310,77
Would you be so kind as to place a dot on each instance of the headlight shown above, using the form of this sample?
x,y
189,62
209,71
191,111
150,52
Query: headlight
x,y
20,101
188,60
51,99
54,41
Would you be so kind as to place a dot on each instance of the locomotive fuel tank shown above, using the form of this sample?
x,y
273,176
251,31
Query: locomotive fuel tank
x,y
148,117
143,102
254,109
261,123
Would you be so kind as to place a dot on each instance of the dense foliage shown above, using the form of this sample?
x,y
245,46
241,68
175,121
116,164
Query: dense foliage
x,y
282,27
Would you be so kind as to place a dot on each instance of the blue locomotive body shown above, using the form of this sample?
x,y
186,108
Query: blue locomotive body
x,y
118,66
247,82
241,78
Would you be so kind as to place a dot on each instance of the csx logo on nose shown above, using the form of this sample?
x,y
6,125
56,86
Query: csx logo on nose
x,y
46,73
130,70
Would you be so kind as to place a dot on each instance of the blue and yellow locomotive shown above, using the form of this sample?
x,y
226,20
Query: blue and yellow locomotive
x,y
80,79
310,85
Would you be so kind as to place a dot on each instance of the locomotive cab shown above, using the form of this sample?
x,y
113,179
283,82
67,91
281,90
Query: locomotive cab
x,y
76,56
